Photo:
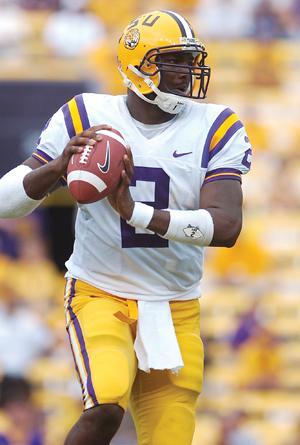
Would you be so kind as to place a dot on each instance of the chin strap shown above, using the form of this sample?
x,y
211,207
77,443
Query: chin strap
x,y
170,103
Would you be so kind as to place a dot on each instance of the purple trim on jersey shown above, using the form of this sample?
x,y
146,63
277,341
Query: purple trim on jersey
x,y
222,173
222,170
43,155
229,133
79,334
44,158
42,161
73,354
82,112
68,120
221,178
217,123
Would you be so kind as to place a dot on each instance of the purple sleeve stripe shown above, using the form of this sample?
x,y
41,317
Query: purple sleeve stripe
x,y
220,178
82,112
229,133
215,126
44,155
68,121
83,350
43,158
222,170
39,158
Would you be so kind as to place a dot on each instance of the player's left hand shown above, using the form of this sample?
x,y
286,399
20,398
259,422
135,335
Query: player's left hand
x,y
121,199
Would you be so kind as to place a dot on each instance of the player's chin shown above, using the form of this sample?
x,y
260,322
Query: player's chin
x,y
183,90
178,90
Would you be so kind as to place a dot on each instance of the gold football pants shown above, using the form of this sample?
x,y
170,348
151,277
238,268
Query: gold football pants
x,y
101,329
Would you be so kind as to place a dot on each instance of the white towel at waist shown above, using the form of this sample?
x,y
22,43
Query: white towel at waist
x,y
156,344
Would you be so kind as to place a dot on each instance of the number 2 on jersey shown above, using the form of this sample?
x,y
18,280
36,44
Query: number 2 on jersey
x,y
161,201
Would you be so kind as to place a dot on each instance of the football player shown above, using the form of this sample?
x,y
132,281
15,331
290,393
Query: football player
x,y
133,279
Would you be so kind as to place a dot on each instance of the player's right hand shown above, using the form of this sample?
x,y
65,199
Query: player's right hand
x,y
77,144
121,199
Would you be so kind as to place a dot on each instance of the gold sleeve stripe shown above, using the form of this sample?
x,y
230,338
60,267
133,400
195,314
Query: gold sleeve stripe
x,y
40,158
222,130
75,116
225,174
44,159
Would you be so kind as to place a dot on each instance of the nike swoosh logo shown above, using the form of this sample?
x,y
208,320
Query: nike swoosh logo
x,y
105,166
178,155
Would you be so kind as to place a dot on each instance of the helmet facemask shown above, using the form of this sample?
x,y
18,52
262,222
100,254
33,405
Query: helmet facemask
x,y
198,74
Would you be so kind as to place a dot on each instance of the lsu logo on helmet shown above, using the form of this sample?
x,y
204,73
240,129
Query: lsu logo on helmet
x,y
132,38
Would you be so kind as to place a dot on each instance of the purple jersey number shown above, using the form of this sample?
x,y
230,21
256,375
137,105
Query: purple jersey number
x,y
247,158
161,201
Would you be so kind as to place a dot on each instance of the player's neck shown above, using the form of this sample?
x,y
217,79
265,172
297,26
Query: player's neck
x,y
144,112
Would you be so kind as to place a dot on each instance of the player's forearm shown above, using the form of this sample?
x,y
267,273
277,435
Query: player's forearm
x,y
216,223
224,201
186,226
226,230
40,181
145,216
160,222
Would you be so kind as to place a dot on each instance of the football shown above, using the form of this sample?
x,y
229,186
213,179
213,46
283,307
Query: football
x,y
95,173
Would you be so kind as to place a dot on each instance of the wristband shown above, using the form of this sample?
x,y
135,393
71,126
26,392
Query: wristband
x,y
190,226
141,215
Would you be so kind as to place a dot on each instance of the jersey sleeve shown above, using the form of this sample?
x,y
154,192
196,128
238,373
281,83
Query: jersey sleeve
x,y
68,121
227,152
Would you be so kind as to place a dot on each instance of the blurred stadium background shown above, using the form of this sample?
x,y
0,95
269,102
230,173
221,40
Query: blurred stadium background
x,y
53,49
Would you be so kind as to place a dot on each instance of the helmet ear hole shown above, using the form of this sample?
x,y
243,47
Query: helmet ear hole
x,y
148,67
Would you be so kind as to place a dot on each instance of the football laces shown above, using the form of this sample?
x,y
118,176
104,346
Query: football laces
x,y
85,154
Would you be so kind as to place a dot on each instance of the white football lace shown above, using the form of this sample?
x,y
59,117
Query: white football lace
x,y
85,154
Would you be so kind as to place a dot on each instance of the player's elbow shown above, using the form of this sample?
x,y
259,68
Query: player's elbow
x,y
231,242
233,232
227,233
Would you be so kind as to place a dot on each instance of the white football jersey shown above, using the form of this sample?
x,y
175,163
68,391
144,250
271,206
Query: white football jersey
x,y
203,143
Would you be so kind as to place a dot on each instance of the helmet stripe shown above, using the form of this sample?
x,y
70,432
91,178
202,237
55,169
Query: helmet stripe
x,y
184,26
192,31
